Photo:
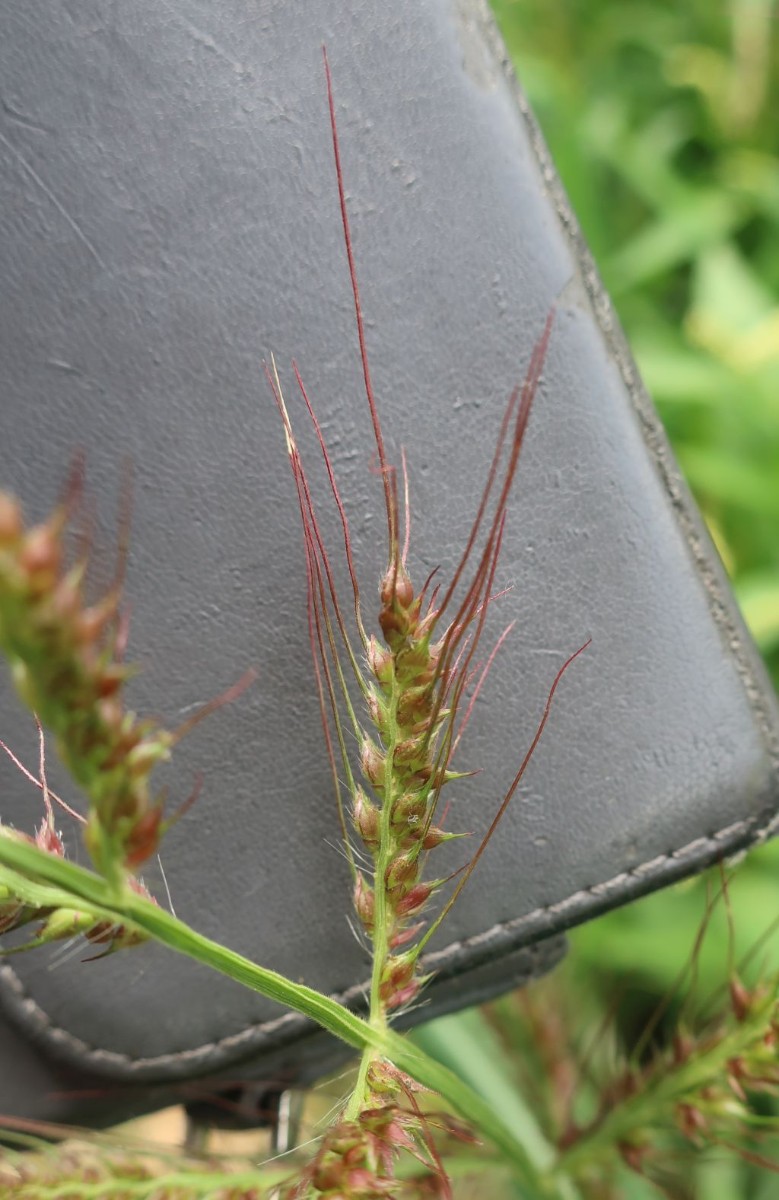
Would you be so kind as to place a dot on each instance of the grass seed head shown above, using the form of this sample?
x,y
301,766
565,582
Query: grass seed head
x,y
66,659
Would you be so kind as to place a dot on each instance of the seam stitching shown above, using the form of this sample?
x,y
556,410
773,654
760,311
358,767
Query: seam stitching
x,y
547,919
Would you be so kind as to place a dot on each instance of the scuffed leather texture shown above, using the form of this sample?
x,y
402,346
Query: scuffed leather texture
x,y
169,217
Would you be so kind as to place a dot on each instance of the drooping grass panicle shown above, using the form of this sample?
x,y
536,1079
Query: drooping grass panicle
x,y
41,1160
696,1077
698,1087
67,661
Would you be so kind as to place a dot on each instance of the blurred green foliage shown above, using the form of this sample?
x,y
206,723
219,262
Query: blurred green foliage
x,y
663,122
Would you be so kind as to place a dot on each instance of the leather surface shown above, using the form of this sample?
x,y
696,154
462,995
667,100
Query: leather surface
x,y
169,217
40,1081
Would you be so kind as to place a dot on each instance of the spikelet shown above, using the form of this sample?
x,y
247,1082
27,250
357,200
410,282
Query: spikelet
x,y
65,658
22,902
358,1157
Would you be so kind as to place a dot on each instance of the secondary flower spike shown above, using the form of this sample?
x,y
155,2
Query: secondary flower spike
x,y
66,659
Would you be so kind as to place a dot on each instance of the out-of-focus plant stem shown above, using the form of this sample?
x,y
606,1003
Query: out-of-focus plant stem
x,y
699,1081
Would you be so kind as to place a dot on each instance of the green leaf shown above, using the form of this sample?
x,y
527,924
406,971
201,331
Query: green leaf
x,y
705,217
465,1043
758,597
725,286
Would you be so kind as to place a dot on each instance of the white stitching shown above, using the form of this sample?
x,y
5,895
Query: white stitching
x,y
99,1056
102,1057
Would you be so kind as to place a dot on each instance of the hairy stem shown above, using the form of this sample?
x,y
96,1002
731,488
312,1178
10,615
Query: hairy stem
x,y
378,1015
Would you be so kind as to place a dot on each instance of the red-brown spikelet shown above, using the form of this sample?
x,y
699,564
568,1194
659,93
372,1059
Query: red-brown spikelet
x,y
357,1159
59,923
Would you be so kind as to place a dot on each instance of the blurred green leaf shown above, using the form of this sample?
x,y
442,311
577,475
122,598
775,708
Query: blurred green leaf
x,y
725,285
466,1045
753,488
690,226
758,597
676,374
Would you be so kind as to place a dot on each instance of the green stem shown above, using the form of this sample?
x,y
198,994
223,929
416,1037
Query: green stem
x,y
383,858
196,1183
377,1016
84,886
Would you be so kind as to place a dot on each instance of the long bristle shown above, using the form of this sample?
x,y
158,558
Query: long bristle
x,y
386,470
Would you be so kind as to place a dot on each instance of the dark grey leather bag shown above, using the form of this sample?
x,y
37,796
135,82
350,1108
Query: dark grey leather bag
x,y
169,217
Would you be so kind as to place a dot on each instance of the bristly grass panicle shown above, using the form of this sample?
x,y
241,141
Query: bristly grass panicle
x,y
418,680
